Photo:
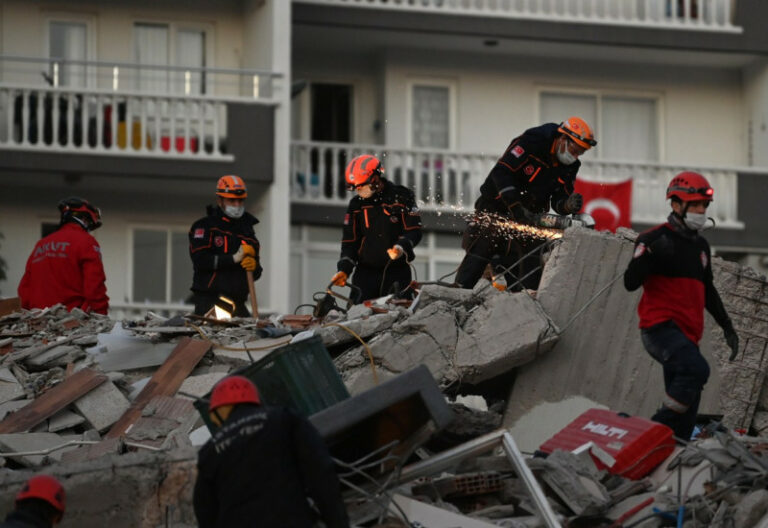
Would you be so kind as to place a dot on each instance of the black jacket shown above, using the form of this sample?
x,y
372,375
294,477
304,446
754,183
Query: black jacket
x,y
258,470
529,173
212,241
24,519
373,225
676,286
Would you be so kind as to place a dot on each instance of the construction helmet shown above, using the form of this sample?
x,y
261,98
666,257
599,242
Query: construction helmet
x,y
690,186
233,390
362,169
77,209
578,130
231,186
46,488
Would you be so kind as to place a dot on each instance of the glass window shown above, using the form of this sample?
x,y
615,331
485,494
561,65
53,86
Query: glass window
x,y
149,264
151,48
324,234
67,40
320,268
431,117
190,51
637,142
557,107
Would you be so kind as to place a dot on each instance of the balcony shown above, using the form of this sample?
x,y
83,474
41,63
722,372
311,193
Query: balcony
x,y
448,182
123,109
708,15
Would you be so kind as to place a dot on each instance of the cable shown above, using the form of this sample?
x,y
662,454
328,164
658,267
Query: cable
x,y
365,345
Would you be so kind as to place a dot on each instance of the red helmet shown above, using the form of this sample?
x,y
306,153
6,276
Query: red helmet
x,y
362,169
75,207
232,390
46,488
690,186
231,186
578,130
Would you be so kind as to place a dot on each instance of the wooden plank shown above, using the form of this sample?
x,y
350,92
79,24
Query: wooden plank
x,y
8,306
52,401
164,382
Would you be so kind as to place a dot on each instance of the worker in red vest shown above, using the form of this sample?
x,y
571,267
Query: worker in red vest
x,y
65,267
39,504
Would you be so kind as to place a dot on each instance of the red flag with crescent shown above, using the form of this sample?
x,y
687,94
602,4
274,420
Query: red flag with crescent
x,y
610,204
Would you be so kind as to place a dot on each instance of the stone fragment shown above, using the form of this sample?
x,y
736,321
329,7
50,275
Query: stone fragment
x,y
454,296
751,508
364,327
64,420
103,406
10,388
55,357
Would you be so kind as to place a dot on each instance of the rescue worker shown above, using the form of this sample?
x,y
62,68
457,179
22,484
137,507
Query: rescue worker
x,y
672,262
223,247
381,227
537,171
261,464
65,267
39,504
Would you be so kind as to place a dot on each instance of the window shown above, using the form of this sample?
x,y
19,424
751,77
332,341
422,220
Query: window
x,y
68,41
158,45
609,115
431,116
162,269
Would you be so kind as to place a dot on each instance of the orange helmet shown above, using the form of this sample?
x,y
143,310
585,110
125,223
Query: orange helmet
x,y
690,186
362,169
231,186
232,390
578,130
46,488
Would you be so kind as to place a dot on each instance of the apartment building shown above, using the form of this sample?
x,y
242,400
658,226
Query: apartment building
x,y
141,105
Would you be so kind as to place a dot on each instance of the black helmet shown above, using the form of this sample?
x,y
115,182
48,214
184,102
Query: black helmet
x,y
76,209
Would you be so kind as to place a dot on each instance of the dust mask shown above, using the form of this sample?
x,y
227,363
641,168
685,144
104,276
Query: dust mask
x,y
695,221
564,155
233,211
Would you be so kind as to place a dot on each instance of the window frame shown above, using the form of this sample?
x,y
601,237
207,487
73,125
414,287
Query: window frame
x,y
438,82
599,94
90,39
169,231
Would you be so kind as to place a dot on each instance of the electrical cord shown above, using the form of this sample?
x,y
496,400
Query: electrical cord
x,y
365,346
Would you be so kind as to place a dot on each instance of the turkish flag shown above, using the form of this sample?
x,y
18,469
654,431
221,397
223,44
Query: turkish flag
x,y
610,204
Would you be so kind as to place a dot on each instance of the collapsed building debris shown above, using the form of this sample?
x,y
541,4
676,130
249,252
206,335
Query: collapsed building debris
x,y
98,402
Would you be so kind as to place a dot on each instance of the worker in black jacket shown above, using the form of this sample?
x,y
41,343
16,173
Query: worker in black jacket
x,y
39,504
537,171
673,264
381,228
260,466
223,247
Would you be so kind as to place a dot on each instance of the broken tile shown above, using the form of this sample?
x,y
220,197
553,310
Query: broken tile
x,y
10,388
64,420
103,406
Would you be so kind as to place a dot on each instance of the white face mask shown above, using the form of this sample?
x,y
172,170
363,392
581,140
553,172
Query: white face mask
x,y
233,211
564,155
695,221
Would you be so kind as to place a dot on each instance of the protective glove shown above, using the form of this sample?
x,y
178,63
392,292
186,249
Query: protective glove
x,y
662,247
521,214
248,250
340,279
249,263
573,203
499,286
732,338
395,252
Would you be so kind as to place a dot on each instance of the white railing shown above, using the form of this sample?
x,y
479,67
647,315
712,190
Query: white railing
x,y
449,182
112,123
710,15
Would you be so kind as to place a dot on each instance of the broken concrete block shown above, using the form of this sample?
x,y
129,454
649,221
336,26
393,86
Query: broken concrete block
x,y
454,296
64,420
12,406
103,406
55,357
573,481
201,385
506,331
751,508
26,442
238,356
10,388
144,354
364,327
161,417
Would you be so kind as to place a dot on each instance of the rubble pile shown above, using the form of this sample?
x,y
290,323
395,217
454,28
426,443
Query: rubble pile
x,y
103,403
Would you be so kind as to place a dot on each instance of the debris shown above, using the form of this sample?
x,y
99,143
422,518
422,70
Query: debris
x,y
103,406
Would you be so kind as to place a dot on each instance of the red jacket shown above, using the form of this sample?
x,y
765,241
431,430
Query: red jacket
x,y
65,267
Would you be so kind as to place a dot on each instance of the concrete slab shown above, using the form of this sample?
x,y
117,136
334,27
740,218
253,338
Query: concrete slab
x,y
64,420
10,388
103,406
25,442
57,356
200,385
258,348
364,327
144,354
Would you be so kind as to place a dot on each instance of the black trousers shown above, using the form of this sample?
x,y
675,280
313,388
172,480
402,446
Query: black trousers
x,y
377,282
485,245
204,302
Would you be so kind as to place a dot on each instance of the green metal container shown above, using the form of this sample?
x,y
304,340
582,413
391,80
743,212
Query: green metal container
x,y
299,375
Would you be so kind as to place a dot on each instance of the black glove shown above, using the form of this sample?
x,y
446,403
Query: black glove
x,y
573,203
732,338
662,247
521,214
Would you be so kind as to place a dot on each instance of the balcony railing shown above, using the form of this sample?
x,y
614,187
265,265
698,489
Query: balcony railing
x,y
709,15
120,109
449,183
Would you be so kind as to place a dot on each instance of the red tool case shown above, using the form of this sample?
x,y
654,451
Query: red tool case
x,y
638,445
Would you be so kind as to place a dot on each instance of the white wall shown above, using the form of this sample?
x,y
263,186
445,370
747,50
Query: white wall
x,y
756,112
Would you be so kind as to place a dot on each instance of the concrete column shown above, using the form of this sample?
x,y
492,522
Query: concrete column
x,y
267,44
756,112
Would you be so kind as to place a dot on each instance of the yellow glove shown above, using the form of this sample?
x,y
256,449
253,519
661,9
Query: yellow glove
x,y
499,286
395,252
249,263
340,279
248,251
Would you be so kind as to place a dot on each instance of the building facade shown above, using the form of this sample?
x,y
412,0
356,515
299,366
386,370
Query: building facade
x,y
140,108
